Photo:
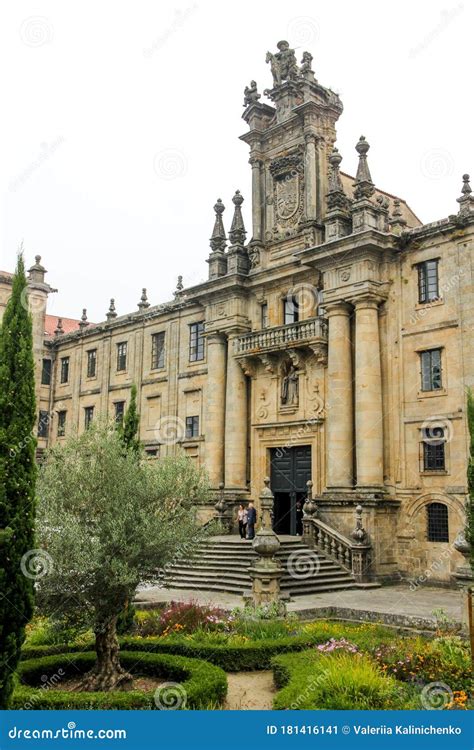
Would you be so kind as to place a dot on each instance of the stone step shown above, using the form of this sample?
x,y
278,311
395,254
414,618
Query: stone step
x,y
301,590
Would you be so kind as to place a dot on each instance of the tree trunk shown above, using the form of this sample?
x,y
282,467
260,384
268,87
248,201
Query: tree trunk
x,y
107,674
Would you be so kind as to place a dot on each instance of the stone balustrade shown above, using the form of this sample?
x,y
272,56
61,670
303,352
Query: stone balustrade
x,y
300,333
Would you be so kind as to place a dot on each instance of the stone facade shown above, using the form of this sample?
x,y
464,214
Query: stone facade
x,y
319,331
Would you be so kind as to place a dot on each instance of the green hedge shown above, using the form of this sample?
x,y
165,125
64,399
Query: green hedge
x,y
202,683
240,657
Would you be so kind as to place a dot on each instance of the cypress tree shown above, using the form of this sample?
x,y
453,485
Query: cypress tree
x,y
17,477
131,424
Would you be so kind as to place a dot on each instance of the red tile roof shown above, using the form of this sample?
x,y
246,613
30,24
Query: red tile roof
x,y
51,322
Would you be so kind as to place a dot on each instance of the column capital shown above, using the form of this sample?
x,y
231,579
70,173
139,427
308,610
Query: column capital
x,y
368,301
339,307
215,337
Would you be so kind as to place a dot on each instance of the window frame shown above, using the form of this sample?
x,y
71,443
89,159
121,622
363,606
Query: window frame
x,y
91,358
433,451
45,370
192,427
437,528
291,309
61,428
64,368
122,355
197,341
425,297
43,424
119,416
427,356
158,356
88,416
264,321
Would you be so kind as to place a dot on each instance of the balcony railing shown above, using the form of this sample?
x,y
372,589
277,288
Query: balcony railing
x,y
293,334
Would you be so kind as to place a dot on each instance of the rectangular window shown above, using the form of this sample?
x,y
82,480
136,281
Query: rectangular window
x,y
122,356
61,423
434,443
119,411
431,370
88,416
290,310
64,369
157,351
428,285
152,452
264,315
196,341
91,363
46,372
438,522
43,424
192,427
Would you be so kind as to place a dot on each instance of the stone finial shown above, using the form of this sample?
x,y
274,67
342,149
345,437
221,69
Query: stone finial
x,y
143,304
251,94
364,187
237,231
310,507
218,238
359,534
336,197
397,222
179,284
112,313
59,327
37,271
466,201
83,323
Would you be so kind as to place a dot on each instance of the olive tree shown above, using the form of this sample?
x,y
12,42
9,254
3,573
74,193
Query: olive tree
x,y
108,523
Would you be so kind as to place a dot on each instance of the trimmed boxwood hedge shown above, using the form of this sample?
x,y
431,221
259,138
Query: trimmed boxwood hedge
x,y
204,684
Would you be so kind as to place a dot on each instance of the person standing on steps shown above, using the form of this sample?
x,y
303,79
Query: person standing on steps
x,y
242,519
251,520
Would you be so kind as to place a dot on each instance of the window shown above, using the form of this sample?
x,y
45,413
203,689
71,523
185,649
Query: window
x,y
428,287
46,372
122,356
431,370
290,310
152,452
192,427
157,351
43,424
64,369
61,423
264,315
196,341
91,363
88,416
119,411
437,520
434,443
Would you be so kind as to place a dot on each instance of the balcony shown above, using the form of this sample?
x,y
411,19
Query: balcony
x,y
308,334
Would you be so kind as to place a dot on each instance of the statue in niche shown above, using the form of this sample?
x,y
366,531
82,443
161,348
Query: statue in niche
x,y
289,386
283,64
251,94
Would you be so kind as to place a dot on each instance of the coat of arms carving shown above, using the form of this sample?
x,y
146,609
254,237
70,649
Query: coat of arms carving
x,y
288,180
287,195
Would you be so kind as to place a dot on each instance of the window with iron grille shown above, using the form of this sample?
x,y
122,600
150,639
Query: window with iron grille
x,y
437,521
428,283
291,313
43,424
88,416
264,315
196,341
434,444
62,423
64,369
122,356
158,350
46,372
192,427
119,411
91,363
431,379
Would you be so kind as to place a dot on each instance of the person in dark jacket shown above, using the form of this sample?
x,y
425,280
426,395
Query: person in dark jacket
x,y
251,520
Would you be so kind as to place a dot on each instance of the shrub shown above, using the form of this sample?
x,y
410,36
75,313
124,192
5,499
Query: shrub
x,y
201,683
337,681
186,617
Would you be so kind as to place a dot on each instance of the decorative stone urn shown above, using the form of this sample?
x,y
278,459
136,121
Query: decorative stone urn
x,y
266,572
223,512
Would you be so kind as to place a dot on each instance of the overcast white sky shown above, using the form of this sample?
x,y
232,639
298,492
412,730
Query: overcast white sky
x,y
121,119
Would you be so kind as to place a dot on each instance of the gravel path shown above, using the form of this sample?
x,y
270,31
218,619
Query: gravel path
x,y
252,691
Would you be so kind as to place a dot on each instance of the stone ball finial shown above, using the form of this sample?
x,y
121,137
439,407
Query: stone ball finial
x,y
219,208
38,257
266,482
466,188
335,158
221,486
237,200
362,146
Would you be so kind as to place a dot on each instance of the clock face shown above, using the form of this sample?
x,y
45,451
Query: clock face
x,y
287,194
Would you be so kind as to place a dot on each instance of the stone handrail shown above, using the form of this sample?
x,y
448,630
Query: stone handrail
x,y
353,556
279,337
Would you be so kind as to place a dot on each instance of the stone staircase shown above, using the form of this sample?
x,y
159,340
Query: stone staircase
x,y
221,564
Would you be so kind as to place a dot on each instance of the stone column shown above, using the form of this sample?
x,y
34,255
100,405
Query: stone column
x,y
340,431
368,394
256,199
215,407
235,423
310,177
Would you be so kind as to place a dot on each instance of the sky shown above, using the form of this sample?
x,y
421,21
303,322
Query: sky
x,y
121,124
